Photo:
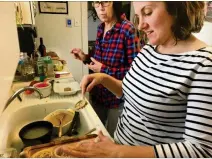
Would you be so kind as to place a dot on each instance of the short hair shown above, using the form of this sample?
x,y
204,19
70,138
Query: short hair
x,y
188,17
117,9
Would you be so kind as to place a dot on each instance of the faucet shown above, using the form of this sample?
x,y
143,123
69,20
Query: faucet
x,y
18,92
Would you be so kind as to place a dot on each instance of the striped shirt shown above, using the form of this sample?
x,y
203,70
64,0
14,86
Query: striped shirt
x,y
168,103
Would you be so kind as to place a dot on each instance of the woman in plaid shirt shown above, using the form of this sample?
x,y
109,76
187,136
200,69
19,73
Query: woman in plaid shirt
x,y
115,48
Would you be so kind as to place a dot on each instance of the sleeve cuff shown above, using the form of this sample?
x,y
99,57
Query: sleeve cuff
x,y
121,97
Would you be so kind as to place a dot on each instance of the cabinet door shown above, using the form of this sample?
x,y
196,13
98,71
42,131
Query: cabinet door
x,y
25,12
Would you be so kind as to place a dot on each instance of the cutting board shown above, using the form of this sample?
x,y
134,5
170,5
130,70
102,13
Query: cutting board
x,y
46,150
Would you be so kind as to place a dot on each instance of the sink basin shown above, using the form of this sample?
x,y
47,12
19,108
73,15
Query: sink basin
x,y
11,126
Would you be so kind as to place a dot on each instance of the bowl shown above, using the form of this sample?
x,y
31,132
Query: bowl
x,y
54,118
44,87
35,133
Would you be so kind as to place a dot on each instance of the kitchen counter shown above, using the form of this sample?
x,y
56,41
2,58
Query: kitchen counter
x,y
88,113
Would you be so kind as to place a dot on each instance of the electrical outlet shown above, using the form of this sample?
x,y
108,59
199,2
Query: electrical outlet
x,y
76,23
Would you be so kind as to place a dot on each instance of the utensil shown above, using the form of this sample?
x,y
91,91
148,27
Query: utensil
x,y
60,129
34,133
80,104
90,131
85,135
56,115
73,129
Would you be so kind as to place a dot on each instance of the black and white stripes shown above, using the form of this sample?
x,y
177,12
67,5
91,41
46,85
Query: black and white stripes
x,y
168,103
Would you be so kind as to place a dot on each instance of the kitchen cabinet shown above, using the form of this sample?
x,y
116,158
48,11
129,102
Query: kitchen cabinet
x,y
25,12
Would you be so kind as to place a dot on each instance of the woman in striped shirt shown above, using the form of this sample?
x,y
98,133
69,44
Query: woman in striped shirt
x,y
167,91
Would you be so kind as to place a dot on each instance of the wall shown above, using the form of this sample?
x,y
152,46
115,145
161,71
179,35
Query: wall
x,y
206,33
84,34
61,39
9,48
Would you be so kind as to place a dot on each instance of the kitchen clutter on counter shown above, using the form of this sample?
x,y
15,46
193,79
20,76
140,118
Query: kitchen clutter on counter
x,y
41,71
44,87
65,86
47,66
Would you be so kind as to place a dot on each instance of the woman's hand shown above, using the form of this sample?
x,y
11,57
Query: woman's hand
x,y
103,147
89,81
78,54
95,66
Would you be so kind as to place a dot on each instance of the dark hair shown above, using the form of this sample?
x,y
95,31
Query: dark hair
x,y
188,17
117,8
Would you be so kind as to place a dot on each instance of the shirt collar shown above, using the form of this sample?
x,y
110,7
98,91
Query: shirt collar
x,y
117,26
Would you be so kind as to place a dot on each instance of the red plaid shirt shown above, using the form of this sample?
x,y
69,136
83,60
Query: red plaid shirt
x,y
116,52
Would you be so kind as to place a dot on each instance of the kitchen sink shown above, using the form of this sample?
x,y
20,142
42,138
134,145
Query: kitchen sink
x,y
15,121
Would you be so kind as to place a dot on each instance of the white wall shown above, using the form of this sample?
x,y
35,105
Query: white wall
x,y
84,28
9,48
206,33
61,39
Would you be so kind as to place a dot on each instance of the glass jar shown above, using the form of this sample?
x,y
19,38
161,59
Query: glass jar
x,y
27,69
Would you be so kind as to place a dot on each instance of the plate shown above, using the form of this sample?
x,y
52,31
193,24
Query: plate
x,y
62,87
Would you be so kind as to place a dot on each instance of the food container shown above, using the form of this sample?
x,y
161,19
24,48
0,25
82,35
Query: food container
x,y
44,87
35,133
58,66
67,116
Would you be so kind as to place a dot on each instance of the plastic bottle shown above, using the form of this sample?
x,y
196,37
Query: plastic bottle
x,y
50,68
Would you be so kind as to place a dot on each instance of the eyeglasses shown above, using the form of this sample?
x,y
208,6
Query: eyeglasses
x,y
103,3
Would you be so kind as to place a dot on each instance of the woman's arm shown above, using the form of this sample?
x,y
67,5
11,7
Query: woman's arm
x,y
125,151
105,148
112,84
